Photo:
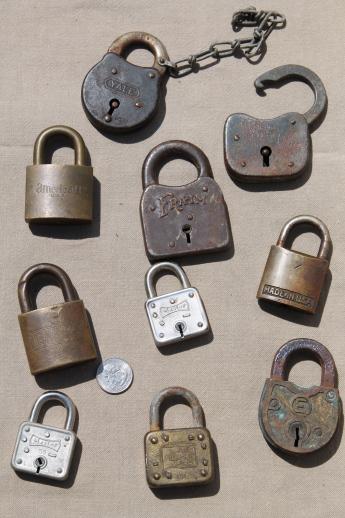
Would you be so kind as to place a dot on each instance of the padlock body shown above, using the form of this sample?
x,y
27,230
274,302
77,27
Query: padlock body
x,y
297,419
293,279
43,451
57,336
286,136
180,457
58,193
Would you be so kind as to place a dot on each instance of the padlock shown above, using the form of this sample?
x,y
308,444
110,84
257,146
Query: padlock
x,y
180,456
298,419
119,96
46,451
58,193
260,150
177,316
54,336
294,278
186,219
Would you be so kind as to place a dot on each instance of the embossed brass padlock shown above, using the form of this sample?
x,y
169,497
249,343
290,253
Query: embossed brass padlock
x,y
297,419
118,96
259,150
55,336
294,278
182,456
58,193
186,219
46,451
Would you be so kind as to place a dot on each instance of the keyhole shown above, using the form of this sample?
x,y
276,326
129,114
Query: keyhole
x,y
180,327
266,153
40,463
187,229
297,437
113,105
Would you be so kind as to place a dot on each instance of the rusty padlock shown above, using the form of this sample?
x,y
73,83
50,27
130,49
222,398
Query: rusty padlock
x,y
297,419
54,336
259,150
295,278
58,193
182,456
186,219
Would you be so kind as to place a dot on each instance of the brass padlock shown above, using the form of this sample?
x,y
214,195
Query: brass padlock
x,y
182,456
259,150
186,219
119,96
298,419
55,336
294,278
58,193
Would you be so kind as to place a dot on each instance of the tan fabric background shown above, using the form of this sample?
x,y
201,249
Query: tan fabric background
x,y
46,49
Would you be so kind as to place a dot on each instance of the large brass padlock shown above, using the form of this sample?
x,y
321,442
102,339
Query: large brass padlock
x,y
119,96
186,219
294,278
259,150
298,419
55,336
182,456
58,193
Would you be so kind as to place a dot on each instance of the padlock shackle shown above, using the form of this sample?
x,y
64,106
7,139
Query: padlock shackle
x,y
58,273
273,77
311,349
61,398
152,273
172,150
326,241
187,395
70,133
142,39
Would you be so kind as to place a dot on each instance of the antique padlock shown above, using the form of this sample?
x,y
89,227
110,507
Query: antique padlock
x,y
55,336
298,419
177,316
180,456
295,278
58,193
259,150
46,451
186,219
119,96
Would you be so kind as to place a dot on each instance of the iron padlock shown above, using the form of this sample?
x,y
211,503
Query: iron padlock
x,y
295,278
298,419
58,193
177,316
259,150
119,96
46,451
54,336
186,219
182,456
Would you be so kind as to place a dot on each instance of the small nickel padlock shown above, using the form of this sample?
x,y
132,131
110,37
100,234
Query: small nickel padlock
x,y
182,456
58,193
259,150
297,419
119,96
55,336
46,451
294,278
186,219
177,316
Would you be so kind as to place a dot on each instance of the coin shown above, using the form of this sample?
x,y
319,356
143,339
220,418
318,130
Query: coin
x,y
114,375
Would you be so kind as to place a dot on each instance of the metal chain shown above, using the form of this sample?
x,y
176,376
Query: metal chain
x,y
263,21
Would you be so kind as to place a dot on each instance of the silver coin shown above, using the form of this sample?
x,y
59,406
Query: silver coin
x,y
114,375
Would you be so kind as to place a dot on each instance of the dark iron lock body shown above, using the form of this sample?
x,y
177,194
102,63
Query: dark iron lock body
x,y
259,150
297,419
58,193
182,456
294,278
54,336
186,219
46,451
